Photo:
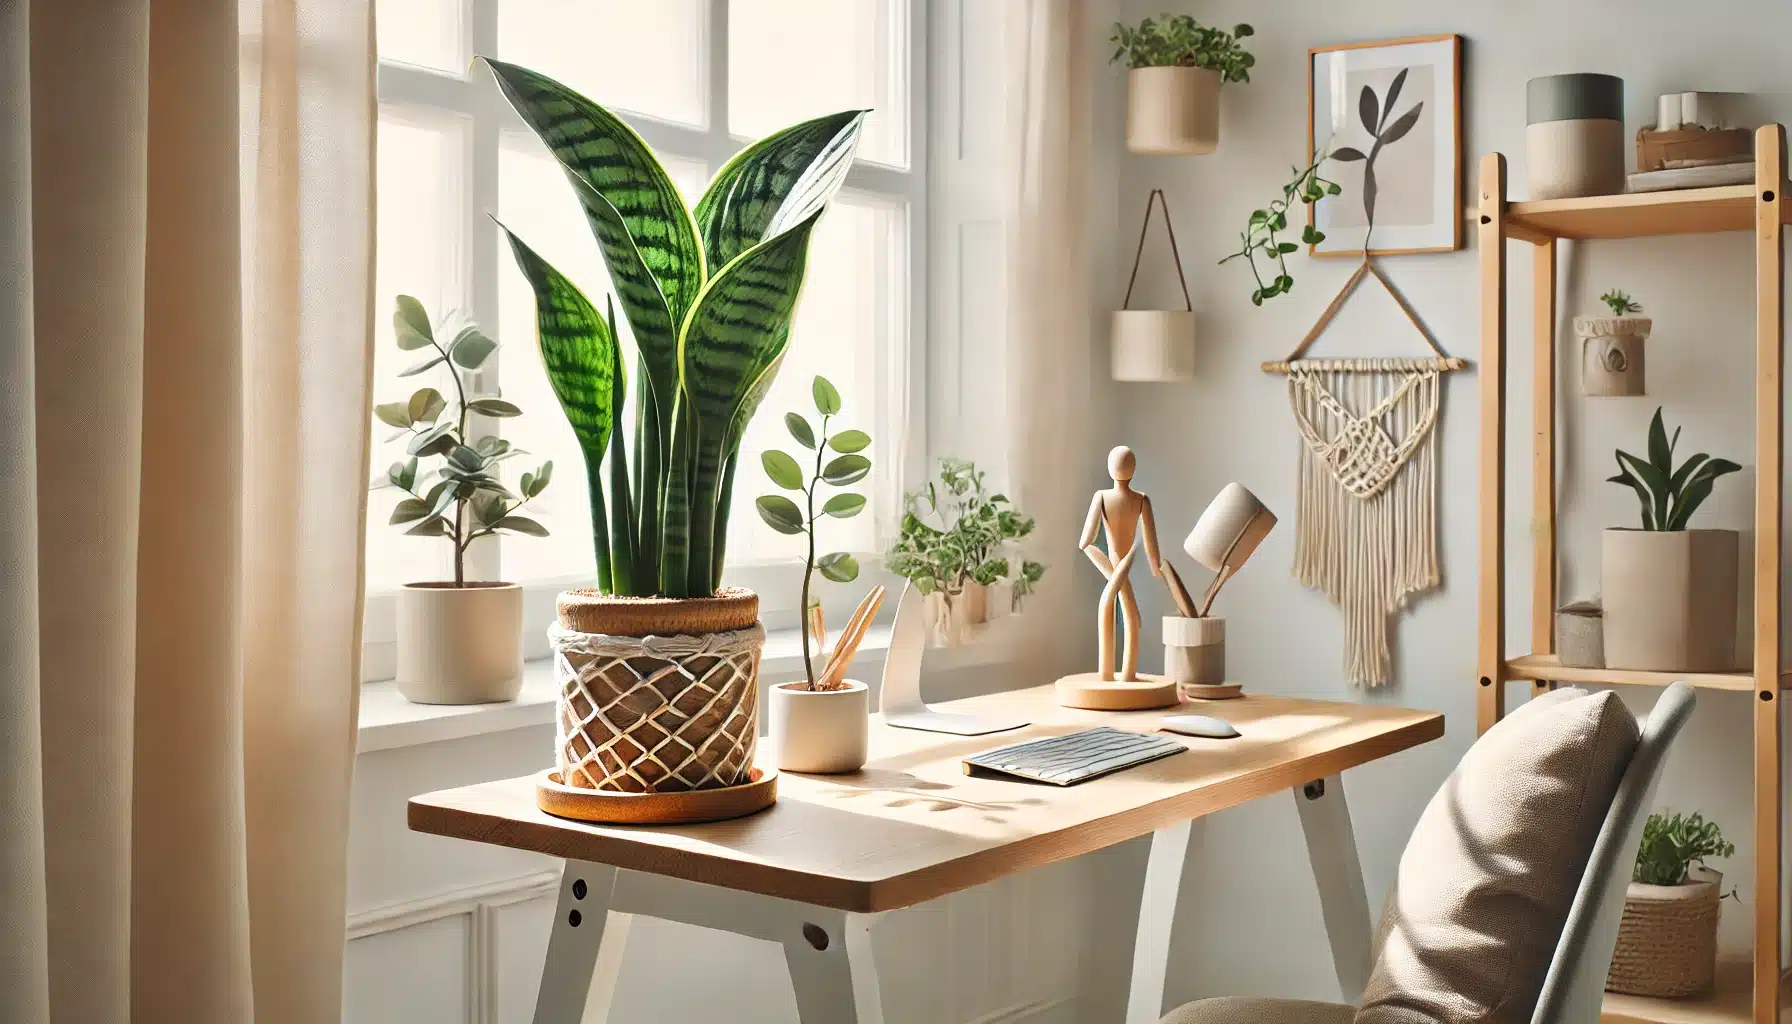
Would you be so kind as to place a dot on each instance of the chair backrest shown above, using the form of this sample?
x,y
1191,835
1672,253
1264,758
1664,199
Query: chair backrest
x,y
1574,988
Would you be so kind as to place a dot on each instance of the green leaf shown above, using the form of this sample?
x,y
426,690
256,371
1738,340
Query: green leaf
x,y
434,526
416,368
780,513
799,429
471,348
522,524
442,495
839,567
847,469
411,324
1661,454
488,508
543,475
497,408
848,441
1286,247
396,414
402,474
427,443
782,469
844,506
408,510
466,459
827,400
426,405
774,181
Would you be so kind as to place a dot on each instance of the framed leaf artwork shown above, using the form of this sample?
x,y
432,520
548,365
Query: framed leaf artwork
x,y
1390,116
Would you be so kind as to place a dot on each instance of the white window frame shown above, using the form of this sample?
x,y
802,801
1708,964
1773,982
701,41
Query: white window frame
x,y
428,95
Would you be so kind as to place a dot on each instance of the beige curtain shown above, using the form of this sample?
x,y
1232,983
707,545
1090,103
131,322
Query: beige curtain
x,y
186,215
1051,367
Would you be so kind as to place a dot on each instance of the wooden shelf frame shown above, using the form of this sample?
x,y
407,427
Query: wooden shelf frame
x,y
1759,208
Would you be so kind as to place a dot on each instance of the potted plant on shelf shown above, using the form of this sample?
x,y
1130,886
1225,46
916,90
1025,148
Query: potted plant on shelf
x,y
1669,591
1611,348
821,723
1667,939
659,662
1173,88
459,641
956,563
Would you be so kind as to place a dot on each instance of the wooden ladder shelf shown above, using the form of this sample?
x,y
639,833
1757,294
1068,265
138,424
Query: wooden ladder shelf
x,y
1745,992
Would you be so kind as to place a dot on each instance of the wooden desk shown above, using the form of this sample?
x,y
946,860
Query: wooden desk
x,y
813,871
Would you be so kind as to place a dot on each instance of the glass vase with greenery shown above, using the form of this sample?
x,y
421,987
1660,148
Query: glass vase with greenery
x,y
955,532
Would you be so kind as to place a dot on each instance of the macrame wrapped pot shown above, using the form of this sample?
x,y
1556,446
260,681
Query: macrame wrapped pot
x,y
1667,939
656,695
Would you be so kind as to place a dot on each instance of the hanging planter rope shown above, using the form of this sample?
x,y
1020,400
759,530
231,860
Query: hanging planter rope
x,y
1154,344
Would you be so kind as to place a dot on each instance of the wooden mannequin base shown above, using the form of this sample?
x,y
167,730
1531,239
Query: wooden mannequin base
x,y
1089,691
1212,691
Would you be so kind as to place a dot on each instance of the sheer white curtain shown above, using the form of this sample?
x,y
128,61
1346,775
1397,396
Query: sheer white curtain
x,y
1050,360
186,223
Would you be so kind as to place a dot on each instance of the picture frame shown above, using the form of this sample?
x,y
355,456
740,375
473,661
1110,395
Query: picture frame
x,y
1414,160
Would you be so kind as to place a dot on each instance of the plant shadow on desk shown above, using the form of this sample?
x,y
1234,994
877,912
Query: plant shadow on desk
x,y
907,790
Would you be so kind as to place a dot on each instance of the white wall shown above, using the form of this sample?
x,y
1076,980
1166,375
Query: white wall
x,y
1257,932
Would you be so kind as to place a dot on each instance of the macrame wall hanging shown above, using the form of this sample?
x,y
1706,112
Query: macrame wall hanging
x,y
1366,512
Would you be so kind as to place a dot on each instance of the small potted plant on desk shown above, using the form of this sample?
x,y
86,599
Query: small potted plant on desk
x,y
955,565
459,641
1173,88
1669,591
1667,940
821,723
1611,350
658,663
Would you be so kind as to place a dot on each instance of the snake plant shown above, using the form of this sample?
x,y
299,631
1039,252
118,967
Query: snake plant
x,y
1668,496
708,294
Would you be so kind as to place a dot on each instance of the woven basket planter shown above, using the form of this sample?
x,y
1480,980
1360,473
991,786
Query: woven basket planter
x,y
656,695
1667,941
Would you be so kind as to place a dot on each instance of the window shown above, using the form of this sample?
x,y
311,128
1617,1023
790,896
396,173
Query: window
x,y
698,79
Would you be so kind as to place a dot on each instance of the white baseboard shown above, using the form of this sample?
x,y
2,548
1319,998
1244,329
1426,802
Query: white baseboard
x,y
1061,1010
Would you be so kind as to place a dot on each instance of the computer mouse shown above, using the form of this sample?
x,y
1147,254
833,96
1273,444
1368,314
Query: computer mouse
x,y
1204,726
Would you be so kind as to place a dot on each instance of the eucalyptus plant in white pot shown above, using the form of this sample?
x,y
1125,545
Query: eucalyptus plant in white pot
x,y
460,641
1669,590
820,723
1176,68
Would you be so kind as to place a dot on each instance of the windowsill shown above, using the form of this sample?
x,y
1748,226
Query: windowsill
x,y
388,721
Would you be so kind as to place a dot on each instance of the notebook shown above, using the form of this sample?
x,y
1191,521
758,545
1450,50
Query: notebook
x,y
1077,757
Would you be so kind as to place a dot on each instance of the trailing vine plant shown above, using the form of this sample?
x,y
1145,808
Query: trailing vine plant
x,y
1261,238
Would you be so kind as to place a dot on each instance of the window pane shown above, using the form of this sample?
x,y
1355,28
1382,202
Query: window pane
x,y
421,210
789,60
422,32
847,329
535,201
628,54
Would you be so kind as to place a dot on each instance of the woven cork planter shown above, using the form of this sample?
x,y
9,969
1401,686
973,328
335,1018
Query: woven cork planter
x,y
656,695
1667,940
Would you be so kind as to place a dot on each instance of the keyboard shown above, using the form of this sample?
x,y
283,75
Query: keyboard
x,y
1076,757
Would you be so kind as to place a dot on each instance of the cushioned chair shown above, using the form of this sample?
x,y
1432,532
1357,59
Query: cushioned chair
x,y
1506,905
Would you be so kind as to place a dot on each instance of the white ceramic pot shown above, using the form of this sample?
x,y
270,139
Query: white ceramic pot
x,y
1611,354
1172,111
1153,345
821,731
1670,599
460,645
1195,650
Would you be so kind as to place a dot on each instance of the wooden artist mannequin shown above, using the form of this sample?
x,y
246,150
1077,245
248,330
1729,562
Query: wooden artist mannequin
x,y
1126,515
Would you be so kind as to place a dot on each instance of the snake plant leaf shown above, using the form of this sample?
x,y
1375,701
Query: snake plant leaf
x,y
1656,483
737,210
1683,475
577,349
598,148
1661,453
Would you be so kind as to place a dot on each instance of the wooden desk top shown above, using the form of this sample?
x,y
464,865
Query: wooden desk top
x,y
912,826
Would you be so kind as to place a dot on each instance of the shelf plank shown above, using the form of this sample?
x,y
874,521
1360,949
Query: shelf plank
x,y
1728,1001
1547,667
1633,215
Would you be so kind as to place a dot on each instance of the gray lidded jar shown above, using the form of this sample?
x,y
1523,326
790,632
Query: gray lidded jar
x,y
1574,135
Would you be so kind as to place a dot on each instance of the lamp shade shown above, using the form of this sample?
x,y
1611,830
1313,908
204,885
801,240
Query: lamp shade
x,y
1234,523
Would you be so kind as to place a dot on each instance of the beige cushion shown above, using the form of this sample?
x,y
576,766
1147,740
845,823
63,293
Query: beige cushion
x,y
1235,1010
1486,881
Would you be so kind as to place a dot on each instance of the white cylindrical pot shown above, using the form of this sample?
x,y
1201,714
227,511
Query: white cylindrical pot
x,y
1195,650
1574,136
821,731
1611,360
460,645
1153,344
1172,111
1670,599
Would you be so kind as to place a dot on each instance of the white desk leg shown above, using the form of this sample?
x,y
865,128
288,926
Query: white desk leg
x,y
833,971
584,949
1157,917
1331,846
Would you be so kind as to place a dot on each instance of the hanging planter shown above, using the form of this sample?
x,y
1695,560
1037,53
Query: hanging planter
x,y
1611,349
1173,89
1154,344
